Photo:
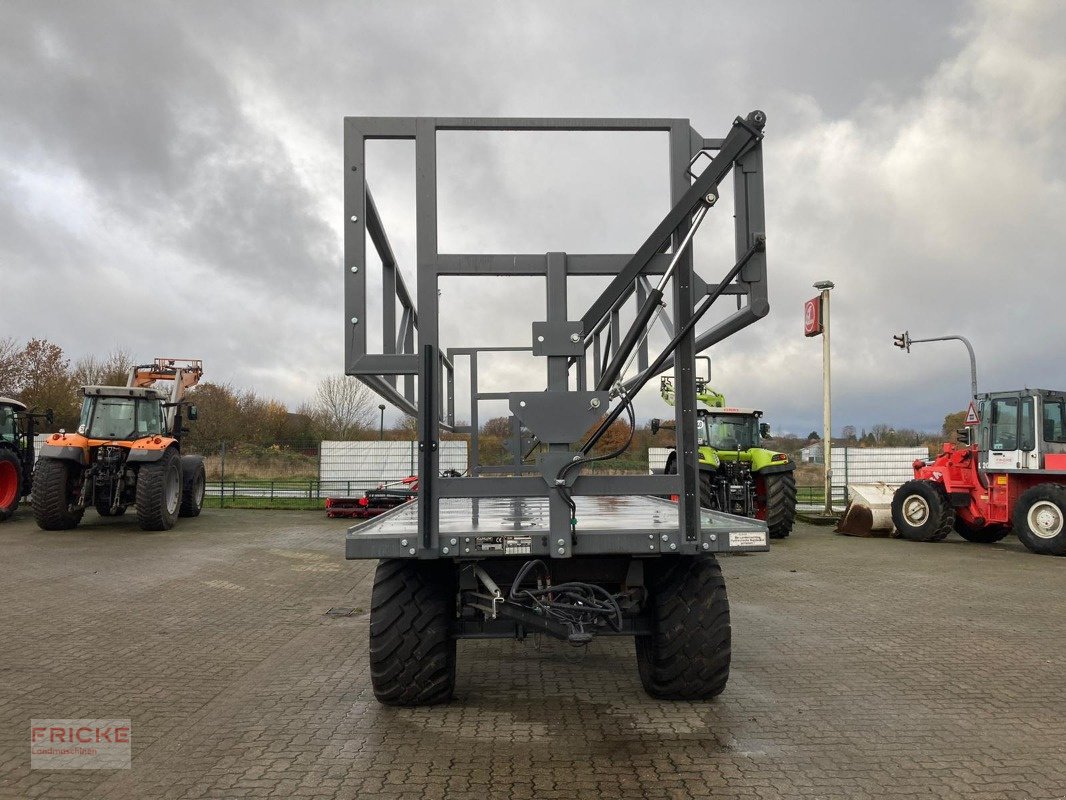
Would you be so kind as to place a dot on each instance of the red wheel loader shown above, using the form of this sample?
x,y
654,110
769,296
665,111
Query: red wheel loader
x,y
1012,478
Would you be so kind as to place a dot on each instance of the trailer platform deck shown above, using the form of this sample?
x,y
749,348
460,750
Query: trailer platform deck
x,y
499,526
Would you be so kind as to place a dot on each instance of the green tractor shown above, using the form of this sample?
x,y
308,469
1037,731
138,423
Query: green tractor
x,y
736,474
18,428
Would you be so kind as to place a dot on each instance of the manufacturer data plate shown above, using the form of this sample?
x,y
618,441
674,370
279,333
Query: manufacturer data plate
x,y
747,539
508,545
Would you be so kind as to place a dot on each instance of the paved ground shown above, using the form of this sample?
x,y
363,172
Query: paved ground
x,y
862,668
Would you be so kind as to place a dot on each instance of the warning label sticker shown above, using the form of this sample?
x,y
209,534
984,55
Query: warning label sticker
x,y
747,539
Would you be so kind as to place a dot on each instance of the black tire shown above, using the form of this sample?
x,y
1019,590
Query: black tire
x,y
708,497
986,534
686,657
780,503
103,508
159,493
921,511
10,482
55,483
1039,519
412,652
194,486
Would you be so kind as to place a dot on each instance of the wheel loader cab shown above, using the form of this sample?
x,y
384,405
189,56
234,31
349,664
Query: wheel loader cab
x,y
1018,430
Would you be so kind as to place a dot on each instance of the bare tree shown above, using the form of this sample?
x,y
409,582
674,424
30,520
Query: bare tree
x,y
111,371
10,371
344,406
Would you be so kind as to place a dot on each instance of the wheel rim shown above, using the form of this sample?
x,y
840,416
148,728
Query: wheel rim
x,y
173,491
9,484
1045,519
915,510
201,489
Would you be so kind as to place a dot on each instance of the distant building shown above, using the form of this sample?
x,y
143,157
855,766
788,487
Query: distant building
x,y
813,453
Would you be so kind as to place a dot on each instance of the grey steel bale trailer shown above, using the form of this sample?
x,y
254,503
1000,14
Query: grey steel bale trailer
x,y
540,545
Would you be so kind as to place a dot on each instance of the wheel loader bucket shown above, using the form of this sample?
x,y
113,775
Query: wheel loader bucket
x,y
869,512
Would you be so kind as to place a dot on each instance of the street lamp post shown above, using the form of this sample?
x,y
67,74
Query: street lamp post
x,y
381,429
827,415
904,341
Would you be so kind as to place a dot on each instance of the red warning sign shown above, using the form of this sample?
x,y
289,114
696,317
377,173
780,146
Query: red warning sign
x,y
972,417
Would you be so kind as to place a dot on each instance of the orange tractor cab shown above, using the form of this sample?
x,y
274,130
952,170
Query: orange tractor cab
x,y
1013,477
126,452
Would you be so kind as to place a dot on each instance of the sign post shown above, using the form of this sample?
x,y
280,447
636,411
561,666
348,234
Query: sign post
x,y
815,323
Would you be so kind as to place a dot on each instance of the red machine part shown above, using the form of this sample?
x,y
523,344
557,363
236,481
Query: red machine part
x,y
955,468
374,501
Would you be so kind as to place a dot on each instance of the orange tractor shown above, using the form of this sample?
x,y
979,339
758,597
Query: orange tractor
x,y
1012,478
126,451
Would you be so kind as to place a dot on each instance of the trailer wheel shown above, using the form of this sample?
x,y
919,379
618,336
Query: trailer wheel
x,y
412,652
686,657
780,503
55,486
10,483
194,487
921,511
1040,519
985,534
159,493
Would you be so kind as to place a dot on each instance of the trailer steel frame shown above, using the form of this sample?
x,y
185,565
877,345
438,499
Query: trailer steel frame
x,y
419,379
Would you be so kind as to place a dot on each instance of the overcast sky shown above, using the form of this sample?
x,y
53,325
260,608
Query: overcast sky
x,y
171,178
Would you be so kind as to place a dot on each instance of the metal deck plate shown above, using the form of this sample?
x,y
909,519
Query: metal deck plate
x,y
613,524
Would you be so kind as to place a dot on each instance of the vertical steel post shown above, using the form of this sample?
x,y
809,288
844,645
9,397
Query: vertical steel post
x,y
428,331
558,381
827,413
475,455
685,355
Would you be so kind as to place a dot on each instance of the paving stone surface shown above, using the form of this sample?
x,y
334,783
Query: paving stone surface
x,y
862,668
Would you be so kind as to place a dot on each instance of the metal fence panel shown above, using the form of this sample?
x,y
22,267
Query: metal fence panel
x,y
382,461
892,465
657,459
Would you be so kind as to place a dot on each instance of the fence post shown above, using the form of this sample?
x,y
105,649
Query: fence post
x,y
222,479
847,498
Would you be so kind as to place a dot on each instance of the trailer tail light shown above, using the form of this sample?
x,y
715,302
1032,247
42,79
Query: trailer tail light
x,y
157,440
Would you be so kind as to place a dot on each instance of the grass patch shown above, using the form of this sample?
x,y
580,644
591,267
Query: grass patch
x,y
273,504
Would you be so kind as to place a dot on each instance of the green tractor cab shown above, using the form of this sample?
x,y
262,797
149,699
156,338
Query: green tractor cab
x,y
737,474
18,427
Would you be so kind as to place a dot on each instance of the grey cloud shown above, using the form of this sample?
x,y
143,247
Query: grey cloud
x,y
914,155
